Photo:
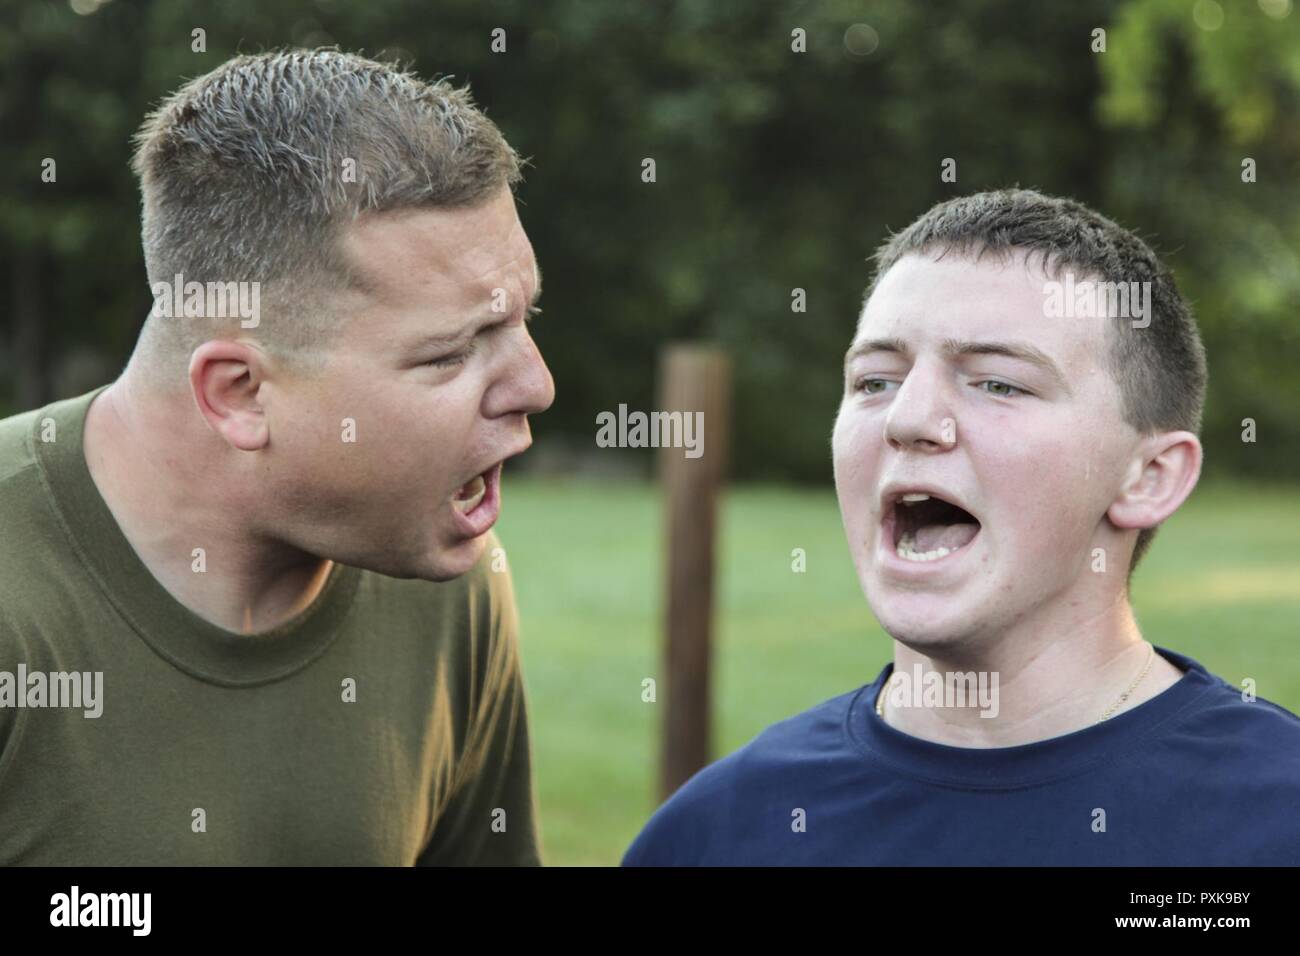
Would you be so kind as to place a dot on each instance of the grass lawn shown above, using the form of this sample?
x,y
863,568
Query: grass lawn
x,y
1221,584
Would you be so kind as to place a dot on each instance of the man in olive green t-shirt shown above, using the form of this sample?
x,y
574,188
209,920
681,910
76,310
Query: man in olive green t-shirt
x,y
251,607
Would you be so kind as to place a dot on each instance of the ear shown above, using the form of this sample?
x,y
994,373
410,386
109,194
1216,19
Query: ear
x,y
1162,475
225,378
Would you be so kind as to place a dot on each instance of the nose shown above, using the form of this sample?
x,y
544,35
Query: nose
x,y
920,417
525,386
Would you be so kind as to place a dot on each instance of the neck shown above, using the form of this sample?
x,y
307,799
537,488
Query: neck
x,y
173,486
1041,689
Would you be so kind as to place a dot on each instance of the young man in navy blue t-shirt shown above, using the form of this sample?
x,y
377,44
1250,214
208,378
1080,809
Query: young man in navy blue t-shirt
x,y
1021,408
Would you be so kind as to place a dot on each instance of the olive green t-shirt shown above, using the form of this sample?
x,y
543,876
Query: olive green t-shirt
x,y
383,725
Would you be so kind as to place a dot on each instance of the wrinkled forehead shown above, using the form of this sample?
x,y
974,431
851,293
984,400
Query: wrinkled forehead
x,y
456,256
926,298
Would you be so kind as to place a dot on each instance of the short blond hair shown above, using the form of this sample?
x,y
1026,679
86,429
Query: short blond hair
x,y
251,172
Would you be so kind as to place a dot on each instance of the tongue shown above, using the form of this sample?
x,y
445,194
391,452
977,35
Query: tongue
x,y
950,536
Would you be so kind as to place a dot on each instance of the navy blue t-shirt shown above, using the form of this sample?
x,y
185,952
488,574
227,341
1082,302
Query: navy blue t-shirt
x,y
1195,776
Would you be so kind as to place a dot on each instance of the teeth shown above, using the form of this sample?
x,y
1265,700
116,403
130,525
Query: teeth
x,y
907,552
914,498
477,489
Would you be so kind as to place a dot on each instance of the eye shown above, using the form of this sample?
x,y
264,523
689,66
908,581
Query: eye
x,y
864,385
453,360
1008,394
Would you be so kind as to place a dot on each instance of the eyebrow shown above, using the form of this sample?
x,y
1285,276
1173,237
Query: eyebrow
x,y
954,348
449,339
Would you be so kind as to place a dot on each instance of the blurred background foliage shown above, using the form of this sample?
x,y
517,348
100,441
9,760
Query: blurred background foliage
x,y
776,170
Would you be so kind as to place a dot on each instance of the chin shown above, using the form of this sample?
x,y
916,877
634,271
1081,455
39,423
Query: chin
x,y
922,621
921,635
453,560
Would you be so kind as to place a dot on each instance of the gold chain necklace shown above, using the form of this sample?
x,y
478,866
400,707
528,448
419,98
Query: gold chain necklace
x,y
1151,653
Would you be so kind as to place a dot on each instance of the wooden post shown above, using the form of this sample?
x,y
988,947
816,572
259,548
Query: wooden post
x,y
693,379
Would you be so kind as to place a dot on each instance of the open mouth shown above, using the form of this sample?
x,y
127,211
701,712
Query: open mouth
x,y
471,494
476,504
925,527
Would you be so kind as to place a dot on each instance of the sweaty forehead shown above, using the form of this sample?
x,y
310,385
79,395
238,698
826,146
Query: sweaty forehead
x,y
455,256
922,301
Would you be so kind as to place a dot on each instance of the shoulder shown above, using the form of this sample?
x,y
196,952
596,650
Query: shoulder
x,y
20,482
706,813
34,550
1251,727
1238,721
15,442
1232,761
1239,749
